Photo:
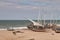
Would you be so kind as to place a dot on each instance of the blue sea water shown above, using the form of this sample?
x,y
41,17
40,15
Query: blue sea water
x,y
13,23
19,23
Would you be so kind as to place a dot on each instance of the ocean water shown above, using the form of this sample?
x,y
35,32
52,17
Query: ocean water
x,y
13,23
20,23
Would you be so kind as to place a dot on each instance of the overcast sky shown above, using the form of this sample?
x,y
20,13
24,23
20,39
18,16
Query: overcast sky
x,y
18,9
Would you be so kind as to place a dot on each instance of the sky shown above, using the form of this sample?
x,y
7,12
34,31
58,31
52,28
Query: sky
x,y
22,9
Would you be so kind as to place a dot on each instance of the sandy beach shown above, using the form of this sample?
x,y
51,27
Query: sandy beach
x,y
28,35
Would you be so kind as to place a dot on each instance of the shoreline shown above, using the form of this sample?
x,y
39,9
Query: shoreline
x,y
23,34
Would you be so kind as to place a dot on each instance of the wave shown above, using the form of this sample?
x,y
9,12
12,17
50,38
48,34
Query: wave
x,y
13,28
18,28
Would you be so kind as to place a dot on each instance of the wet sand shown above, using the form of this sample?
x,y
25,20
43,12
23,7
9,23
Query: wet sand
x,y
28,35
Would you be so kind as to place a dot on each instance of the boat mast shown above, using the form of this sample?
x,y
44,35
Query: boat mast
x,y
38,17
38,20
44,20
50,18
56,19
53,19
44,17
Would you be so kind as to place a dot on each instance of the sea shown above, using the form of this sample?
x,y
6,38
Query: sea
x,y
4,24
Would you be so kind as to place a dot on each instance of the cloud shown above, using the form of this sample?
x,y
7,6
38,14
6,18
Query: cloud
x,y
45,7
14,5
4,4
32,4
18,7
